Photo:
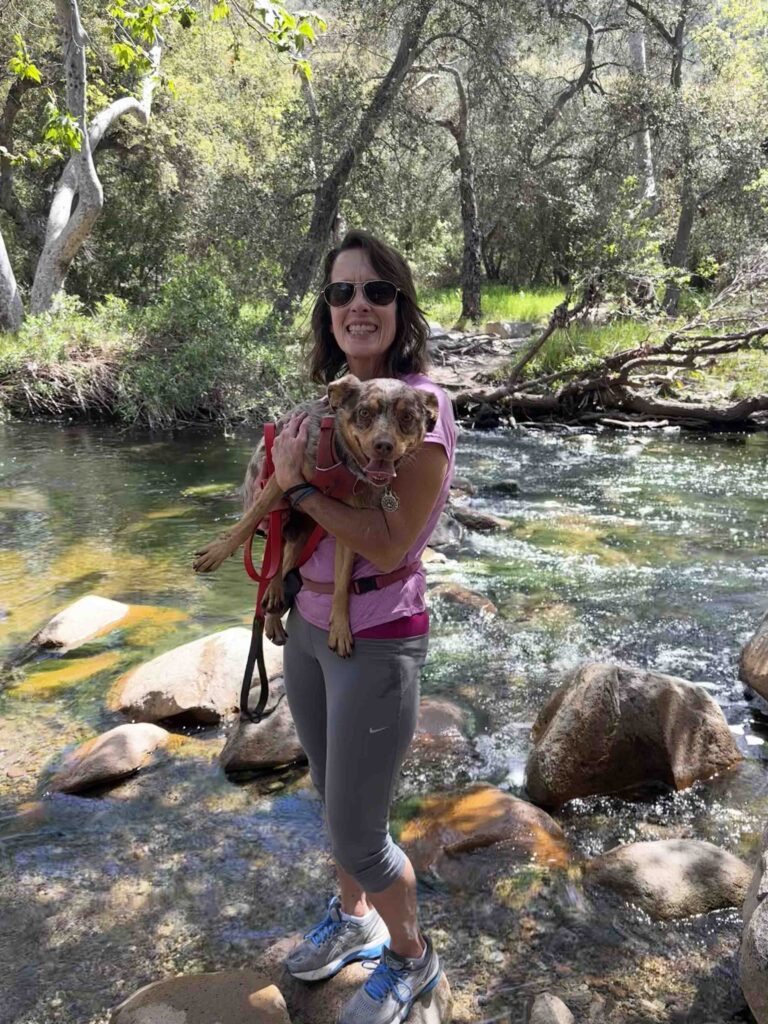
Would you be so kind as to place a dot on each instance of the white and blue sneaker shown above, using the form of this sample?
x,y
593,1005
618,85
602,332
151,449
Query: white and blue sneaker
x,y
395,985
334,942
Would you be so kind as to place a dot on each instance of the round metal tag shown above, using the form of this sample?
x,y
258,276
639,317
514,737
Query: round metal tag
x,y
389,501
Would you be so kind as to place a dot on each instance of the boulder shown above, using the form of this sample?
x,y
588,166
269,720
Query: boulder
x,y
78,623
753,664
440,727
447,535
321,1004
450,827
610,729
200,680
479,521
254,746
108,757
463,486
506,488
509,328
431,557
238,997
754,944
548,1009
455,594
672,878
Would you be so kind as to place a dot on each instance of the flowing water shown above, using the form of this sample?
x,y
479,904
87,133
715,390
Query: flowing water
x,y
650,550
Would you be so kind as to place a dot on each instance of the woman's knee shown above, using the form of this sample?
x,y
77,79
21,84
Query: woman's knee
x,y
374,861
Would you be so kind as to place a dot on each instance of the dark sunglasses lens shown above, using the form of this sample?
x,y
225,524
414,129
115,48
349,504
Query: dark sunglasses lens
x,y
339,294
380,293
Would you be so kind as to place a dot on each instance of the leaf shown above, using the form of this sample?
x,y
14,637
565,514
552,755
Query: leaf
x,y
32,72
220,10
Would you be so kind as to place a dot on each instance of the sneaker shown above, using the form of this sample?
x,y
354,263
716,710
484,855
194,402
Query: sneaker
x,y
335,942
395,985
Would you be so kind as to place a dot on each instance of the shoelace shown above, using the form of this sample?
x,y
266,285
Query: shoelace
x,y
323,931
386,980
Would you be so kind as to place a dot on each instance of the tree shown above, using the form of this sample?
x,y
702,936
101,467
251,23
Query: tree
x,y
78,197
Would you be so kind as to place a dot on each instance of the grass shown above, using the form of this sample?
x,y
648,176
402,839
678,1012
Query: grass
x,y
499,302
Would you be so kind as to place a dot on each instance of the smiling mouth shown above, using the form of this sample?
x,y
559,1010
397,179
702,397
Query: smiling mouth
x,y
380,472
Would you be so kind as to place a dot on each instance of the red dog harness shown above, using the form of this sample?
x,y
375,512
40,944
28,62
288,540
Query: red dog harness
x,y
332,478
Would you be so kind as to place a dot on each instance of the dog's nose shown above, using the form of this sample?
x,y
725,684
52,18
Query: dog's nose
x,y
383,448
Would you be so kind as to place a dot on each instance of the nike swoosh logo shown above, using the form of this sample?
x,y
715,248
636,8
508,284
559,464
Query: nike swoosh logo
x,y
379,730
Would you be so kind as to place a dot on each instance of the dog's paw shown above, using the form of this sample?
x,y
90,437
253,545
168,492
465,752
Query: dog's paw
x,y
274,630
340,639
273,601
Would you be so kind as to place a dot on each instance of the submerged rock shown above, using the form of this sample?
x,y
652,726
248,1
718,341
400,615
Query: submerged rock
x,y
548,1009
200,680
243,996
753,664
451,827
253,746
321,1004
754,944
455,594
447,535
480,521
109,757
79,622
672,878
440,727
610,729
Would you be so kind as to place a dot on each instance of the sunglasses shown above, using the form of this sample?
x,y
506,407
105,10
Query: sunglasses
x,y
378,293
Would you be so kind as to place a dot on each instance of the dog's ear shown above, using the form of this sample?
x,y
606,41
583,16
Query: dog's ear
x,y
430,403
340,390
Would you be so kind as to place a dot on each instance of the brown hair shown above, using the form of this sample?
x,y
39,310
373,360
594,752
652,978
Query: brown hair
x,y
408,351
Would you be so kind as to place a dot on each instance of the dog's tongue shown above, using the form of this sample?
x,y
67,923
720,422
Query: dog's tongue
x,y
381,471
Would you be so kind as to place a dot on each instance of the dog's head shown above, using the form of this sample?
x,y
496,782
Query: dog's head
x,y
380,421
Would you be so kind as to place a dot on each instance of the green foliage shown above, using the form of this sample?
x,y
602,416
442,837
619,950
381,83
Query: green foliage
x,y
192,356
20,65
499,302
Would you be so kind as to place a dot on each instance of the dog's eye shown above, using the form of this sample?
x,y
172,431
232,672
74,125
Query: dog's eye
x,y
363,415
406,418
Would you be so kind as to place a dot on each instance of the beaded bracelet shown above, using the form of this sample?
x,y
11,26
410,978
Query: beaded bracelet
x,y
296,487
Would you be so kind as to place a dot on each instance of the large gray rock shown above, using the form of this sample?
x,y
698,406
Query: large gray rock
x,y
753,665
108,757
321,1004
548,1009
672,878
440,728
267,744
754,944
200,680
610,729
79,622
237,997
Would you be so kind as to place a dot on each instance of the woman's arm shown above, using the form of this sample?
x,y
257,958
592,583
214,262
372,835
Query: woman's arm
x,y
381,537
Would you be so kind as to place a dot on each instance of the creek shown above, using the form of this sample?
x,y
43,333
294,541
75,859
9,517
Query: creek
x,y
648,549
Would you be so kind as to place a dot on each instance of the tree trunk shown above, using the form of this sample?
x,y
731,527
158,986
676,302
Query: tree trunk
x,y
11,309
69,222
679,257
299,275
642,139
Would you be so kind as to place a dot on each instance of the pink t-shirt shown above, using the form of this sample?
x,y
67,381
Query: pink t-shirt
x,y
405,597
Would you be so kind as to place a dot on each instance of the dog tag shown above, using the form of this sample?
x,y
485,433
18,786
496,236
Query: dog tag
x,y
389,501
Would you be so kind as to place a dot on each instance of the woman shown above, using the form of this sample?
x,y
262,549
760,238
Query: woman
x,y
355,717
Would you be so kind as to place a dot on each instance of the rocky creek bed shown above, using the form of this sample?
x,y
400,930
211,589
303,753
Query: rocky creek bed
x,y
646,550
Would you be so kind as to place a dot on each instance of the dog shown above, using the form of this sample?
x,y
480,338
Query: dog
x,y
378,423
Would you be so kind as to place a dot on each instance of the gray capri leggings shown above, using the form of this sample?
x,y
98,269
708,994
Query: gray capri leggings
x,y
355,719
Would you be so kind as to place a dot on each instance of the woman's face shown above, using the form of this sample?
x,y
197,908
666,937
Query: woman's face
x,y
362,330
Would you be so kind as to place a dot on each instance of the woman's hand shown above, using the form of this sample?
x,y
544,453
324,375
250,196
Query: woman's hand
x,y
289,450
